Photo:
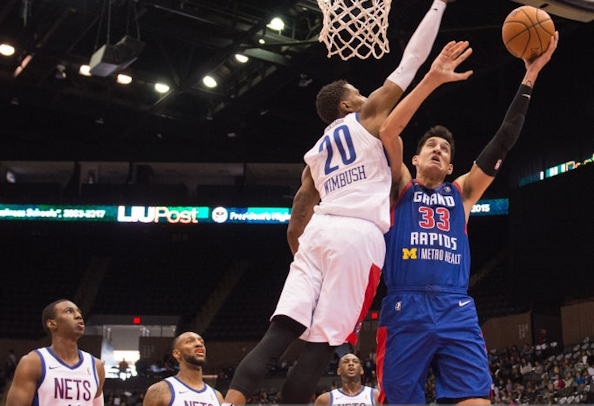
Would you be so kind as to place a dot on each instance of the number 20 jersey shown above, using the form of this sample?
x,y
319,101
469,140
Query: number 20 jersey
x,y
427,246
351,173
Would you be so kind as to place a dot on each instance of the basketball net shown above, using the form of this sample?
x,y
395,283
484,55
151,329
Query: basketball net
x,y
355,27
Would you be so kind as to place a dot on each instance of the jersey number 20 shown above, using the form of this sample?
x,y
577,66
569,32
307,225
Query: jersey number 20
x,y
348,154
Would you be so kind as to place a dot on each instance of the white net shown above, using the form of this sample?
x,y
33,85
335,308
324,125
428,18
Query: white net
x,y
355,28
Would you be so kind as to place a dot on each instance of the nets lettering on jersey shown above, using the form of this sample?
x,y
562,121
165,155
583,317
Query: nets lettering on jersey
x,y
355,28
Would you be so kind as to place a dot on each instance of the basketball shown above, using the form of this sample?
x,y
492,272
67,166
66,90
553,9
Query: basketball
x,y
527,31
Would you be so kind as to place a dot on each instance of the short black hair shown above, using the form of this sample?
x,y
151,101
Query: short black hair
x,y
328,100
441,132
49,313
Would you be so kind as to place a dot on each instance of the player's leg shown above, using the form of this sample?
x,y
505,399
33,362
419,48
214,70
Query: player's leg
x,y
290,320
405,349
462,371
252,369
304,376
351,261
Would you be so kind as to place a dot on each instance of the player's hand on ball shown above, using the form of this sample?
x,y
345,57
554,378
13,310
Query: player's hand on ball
x,y
538,63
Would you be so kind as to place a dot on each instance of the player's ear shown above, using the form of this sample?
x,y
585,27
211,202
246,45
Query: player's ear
x,y
345,106
450,169
415,160
51,324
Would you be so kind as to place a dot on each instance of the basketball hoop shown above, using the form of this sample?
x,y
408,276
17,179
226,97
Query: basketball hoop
x,y
355,28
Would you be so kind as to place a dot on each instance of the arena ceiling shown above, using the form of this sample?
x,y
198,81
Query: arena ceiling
x,y
263,110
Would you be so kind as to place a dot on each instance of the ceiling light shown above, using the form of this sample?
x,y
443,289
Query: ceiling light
x,y
276,24
6,50
84,70
124,79
241,58
261,41
209,81
161,87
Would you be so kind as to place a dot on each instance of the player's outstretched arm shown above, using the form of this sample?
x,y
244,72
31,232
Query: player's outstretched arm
x,y
442,71
483,171
382,100
303,207
24,383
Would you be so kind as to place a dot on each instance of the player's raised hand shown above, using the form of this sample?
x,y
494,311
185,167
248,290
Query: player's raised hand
x,y
533,67
538,63
443,67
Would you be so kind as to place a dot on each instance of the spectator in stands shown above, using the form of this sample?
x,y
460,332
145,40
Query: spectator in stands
x,y
542,336
538,368
141,367
579,380
40,376
558,382
525,366
123,368
188,386
351,391
569,380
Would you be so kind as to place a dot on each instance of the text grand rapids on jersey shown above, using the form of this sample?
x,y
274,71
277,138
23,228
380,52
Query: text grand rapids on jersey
x,y
345,178
427,240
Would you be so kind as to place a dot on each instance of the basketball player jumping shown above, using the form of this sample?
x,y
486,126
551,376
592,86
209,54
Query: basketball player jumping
x,y
187,387
339,250
427,318
59,375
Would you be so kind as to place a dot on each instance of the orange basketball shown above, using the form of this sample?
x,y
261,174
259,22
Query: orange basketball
x,y
527,31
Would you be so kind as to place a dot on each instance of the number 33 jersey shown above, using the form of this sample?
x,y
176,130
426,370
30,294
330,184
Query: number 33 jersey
x,y
427,246
351,173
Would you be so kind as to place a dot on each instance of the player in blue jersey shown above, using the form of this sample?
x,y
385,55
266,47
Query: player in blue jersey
x,y
339,250
61,374
427,318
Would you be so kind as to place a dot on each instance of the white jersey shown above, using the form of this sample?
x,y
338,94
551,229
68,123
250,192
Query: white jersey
x,y
351,172
183,395
65,385
364,397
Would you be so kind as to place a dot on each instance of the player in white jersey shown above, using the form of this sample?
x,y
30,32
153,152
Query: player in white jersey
x,y
59,375
339,250
351,392
187,387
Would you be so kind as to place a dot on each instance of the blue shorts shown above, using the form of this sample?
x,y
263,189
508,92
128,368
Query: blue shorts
x,y
418,330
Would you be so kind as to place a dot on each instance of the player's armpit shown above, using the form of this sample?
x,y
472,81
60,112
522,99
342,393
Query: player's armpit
x,y
472,186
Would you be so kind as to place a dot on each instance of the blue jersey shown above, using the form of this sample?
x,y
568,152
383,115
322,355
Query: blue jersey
x,y
427,319
427,245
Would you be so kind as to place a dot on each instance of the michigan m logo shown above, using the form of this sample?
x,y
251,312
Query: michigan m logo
x,y
409,254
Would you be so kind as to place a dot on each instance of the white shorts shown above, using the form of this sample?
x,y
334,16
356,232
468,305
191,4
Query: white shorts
x,y
327,283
